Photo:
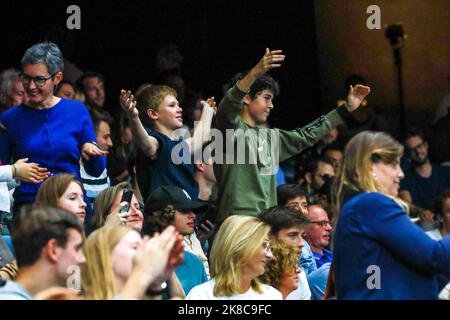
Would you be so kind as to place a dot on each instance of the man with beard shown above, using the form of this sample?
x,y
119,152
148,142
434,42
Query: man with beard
x,y
423,180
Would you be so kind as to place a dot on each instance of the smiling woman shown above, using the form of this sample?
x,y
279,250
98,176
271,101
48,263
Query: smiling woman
x,y
374,231
52,132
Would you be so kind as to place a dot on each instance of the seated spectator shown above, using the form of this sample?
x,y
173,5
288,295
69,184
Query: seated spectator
x,y
92,184
12,92
294,196
108,205
91,83
239,255
282,271
47,243
334,153
288,225
316,172
441,216
318,234
122,265
65,89
171,205
63,191
423,181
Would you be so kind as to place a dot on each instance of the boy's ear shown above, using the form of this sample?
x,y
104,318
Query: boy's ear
x,y
152,114
199,166
247,99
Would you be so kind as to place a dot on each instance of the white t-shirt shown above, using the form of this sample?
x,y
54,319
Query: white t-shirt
x,y
302,292
434,234
205,290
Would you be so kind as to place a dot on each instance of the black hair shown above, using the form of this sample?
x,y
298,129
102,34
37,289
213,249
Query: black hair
x,y
286,192
264,82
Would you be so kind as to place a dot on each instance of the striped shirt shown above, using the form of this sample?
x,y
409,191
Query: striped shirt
x,y
94,185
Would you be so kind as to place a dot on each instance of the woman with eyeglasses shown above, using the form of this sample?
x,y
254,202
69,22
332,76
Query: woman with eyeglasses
x,y
51,131
239,256
379,253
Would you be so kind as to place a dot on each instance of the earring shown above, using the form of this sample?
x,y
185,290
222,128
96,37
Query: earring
x,y
374,175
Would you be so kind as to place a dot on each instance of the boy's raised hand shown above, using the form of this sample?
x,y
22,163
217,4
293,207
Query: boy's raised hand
x,y
128,103
270,60
356,95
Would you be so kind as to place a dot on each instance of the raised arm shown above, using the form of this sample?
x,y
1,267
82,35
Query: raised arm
x,y
148,144
231,104
202,132
271,59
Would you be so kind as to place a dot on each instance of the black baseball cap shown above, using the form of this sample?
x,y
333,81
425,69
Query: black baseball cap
x,y
175,196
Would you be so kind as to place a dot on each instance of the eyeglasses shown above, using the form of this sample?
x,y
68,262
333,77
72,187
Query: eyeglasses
x,y
323,224
39,80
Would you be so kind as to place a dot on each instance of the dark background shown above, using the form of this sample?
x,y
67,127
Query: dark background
x,y
216,38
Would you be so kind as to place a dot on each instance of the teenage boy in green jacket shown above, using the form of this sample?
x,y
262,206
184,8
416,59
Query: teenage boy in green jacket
x,y
248,187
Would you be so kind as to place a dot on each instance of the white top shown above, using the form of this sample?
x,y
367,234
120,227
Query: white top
x,y
205,290
302,292
434,234
7,182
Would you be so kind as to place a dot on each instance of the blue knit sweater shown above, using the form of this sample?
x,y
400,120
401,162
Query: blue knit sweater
x,y
379,253
53,138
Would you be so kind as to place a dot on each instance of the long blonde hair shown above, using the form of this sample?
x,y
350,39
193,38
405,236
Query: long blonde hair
x,y
97,274
361,152
238,240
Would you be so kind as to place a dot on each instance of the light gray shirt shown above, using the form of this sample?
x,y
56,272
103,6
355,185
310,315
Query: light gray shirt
x,y
11,290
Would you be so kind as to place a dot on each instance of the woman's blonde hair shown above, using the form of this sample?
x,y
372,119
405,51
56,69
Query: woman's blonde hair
x,y
238,240
361,152
52,189
97,274
103,204
285,258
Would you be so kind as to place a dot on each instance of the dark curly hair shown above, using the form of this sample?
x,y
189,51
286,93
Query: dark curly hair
x,y
157,221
